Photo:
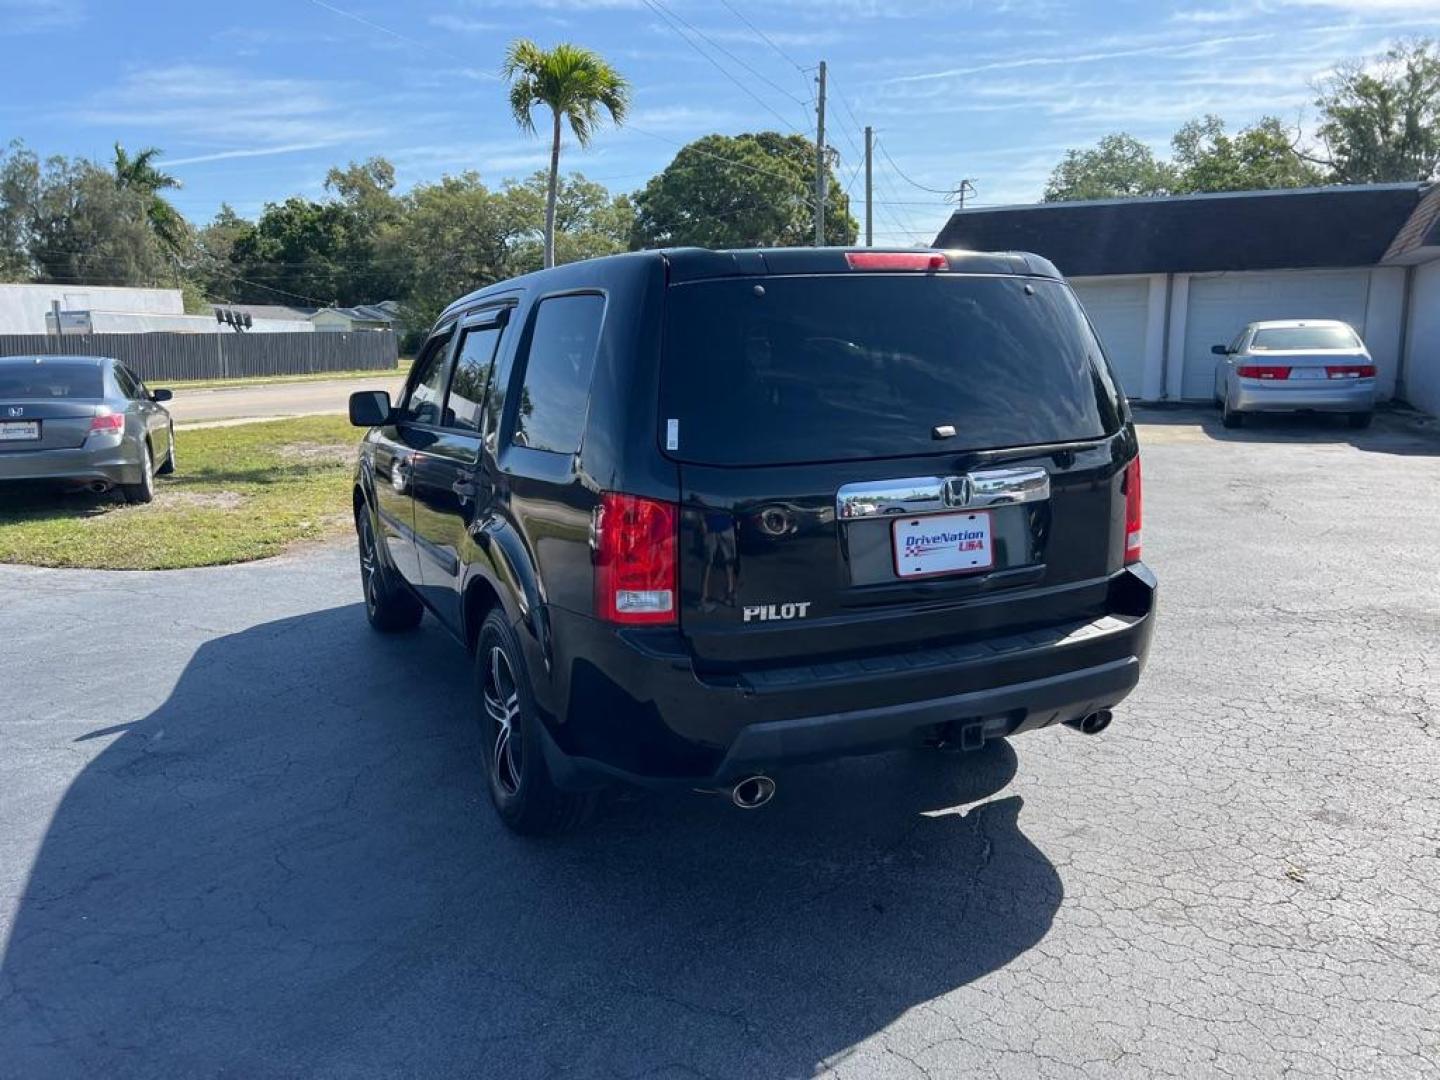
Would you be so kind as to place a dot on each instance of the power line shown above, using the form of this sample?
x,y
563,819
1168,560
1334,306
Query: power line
x,y
716,45
718,157
765,37
654,6
912,183
399,36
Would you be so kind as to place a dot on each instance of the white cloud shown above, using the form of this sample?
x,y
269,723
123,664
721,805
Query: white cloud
x,y
33,16
461,24
254,151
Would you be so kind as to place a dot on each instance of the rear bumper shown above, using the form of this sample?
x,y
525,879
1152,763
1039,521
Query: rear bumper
x,y
1260,395
637,711
111,465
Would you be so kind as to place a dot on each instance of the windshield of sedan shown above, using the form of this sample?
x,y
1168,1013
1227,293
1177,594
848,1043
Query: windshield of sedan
x,y
1288,338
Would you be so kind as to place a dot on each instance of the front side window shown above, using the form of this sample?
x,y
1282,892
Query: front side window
x,y
428,389
552,409
472,371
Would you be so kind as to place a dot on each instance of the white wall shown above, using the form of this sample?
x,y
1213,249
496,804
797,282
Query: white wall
x,y
23,307
127,322
1120,309
1384,318
1422,340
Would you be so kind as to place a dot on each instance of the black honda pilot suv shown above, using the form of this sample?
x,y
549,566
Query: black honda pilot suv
x,y
701,515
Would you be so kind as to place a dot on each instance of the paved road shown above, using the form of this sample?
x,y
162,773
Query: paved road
x,y
244,837
273,399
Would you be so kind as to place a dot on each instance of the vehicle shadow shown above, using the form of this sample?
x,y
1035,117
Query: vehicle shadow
x,y
289,869
1394,431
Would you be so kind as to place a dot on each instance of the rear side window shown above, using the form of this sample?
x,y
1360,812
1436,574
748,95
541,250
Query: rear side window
x,y
834,368
31,381
566,333
1284,338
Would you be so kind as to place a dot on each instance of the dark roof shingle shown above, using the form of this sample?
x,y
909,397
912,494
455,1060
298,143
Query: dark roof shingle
x,y
1252,230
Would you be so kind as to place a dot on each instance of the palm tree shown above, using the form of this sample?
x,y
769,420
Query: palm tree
x,y
139,174
576,84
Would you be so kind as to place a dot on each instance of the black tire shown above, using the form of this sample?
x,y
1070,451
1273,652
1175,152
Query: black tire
x,y
521,789
389,606
168,469
144,491
1229,417
1360,420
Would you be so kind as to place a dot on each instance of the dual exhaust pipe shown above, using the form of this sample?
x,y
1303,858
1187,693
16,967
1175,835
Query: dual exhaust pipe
x,y
753,792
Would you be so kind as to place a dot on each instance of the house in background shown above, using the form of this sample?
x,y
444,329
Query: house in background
x,y
381,316
1164,279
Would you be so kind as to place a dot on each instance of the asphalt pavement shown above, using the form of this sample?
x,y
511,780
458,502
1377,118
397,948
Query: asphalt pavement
x,y
243,836
269,400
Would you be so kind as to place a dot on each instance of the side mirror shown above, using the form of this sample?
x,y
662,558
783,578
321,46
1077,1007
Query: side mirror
x,y
161,395
1220,350
369,408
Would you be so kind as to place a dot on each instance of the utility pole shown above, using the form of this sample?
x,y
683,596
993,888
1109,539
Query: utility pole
x,y
965,188
869,188
820,162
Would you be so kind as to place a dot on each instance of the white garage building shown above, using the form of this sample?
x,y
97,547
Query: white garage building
x,y
1164,279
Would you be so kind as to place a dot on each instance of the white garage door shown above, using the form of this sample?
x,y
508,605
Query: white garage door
x,y
1221,305
1119,310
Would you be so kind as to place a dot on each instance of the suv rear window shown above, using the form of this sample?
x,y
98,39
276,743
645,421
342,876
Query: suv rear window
x,y
28,379
1284,338
831,368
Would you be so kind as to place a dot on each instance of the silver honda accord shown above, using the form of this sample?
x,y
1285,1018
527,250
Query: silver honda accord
x,y
83,421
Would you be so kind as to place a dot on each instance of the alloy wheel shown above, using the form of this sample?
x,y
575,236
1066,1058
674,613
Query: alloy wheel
x,y
502,711
369,568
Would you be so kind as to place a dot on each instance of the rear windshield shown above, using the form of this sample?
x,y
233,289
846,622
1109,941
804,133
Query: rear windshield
x,y
1305,337
833,368
31,380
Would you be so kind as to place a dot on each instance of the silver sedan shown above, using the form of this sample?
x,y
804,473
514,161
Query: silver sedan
x,y
83,421
1295,365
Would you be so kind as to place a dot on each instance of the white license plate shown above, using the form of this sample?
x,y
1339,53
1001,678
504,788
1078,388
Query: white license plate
x,y
1307,373
943,544
19,430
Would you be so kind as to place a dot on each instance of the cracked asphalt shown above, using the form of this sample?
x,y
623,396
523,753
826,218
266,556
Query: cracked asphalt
x,y
241,836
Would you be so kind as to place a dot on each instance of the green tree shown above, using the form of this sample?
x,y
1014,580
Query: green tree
x,y
372,212
452,238
589,221
1119,166
213,269
138,174
575,84
1260,157
85,229
754,190
19,190
295,252
1381,122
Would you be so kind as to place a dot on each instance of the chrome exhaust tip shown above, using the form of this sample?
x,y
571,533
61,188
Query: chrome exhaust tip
x,y
1091,723
752,792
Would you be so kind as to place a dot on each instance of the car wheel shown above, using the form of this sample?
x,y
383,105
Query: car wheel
x,y
1231,418
521,789
144,491
388,605
1360,419
169,467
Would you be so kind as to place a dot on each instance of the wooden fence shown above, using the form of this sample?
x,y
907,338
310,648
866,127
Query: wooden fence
x,y
156,357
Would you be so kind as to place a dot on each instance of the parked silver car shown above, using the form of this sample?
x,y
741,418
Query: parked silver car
x,y
83,421
1295,365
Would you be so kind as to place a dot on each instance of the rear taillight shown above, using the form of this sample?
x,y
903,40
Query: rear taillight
x,y
107,425
1132,510
634,546
1263,371
1349,371
895,260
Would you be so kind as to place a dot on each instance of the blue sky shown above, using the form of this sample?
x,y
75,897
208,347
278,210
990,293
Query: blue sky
x,y
252,102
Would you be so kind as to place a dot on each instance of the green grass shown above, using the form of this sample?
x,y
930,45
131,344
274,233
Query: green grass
x,y
397,373
240,493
